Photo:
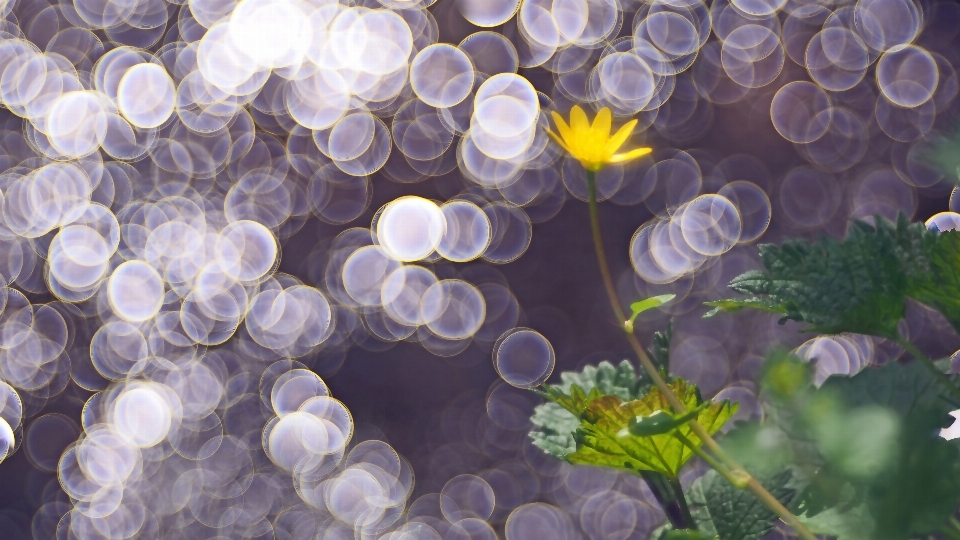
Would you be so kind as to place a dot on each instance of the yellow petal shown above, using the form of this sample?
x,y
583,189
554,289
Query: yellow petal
x,y
601,124
578,120
631,155
562,126
559,141
620,136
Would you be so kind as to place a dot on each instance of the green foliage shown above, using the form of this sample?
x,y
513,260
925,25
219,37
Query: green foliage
x,y
637,308
554,424
736,514
864,449
660,350
603,437
859,284
939,288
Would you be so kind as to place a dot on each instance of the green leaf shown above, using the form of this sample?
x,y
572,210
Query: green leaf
x,y
736,514
856,285
637,308
620,380
849,519
940,287
555,424
733,305
865,448
908,389
604,438
554,428
917,495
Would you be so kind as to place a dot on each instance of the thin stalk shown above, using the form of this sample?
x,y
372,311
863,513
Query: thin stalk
x,y
682,501
927,363
663,492
739,482
752,485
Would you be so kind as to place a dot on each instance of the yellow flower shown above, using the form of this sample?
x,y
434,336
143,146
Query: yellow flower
x,y
593,145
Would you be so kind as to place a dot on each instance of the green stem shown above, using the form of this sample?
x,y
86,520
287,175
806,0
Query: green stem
x,y
762,494
923,359
737,481
682,501
663,492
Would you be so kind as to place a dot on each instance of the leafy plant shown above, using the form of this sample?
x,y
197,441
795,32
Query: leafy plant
x,y
858,285
865,449
731,513
866,465
605,435
556,424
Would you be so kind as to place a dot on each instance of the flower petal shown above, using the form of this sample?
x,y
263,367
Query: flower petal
x,y
578,121
559,141
628,156
562,126
601,124
620,136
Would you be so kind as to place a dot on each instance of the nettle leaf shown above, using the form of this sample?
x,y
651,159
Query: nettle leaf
x,y
908,389
555,424
604,437
854,285
554,430
736,514
620,380
940,287
866,447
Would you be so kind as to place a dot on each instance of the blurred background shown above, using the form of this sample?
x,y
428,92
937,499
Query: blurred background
x,y
800,146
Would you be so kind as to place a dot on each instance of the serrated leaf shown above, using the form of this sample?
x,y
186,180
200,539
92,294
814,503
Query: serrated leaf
x,y
908,389
940,287
620,380
554,430
555,424
603,436
736,514
855,285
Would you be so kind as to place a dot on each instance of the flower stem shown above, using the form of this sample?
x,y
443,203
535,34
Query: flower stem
x,y
737,481
682,501
663,492
752,485
927,363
